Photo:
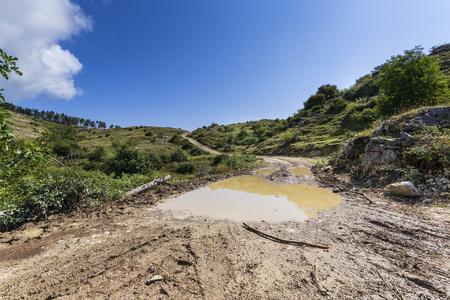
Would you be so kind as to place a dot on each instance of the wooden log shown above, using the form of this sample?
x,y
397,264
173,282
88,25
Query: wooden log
x,y
316,279
275,239
147,185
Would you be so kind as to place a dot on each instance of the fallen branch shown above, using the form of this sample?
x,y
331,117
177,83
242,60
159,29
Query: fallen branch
x,y
362,194
147,185
275,239
395,292
57,161
316,279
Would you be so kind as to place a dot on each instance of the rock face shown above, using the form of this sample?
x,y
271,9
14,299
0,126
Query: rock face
x,y
434,116
379,151
405,188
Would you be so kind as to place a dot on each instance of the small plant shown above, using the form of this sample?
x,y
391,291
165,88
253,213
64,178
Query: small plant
x,y
178,156
186,168
435,149
222,168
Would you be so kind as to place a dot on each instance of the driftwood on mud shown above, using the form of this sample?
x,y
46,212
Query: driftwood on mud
x,y
393,289
275,239
362,194
315,274
147,185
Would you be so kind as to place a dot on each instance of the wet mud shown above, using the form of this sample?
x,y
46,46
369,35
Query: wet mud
x,y
379,248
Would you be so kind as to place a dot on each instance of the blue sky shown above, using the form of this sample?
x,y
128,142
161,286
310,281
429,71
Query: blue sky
x,y
186,64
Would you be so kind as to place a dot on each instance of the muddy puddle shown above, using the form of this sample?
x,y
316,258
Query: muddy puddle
x,y
266,171
300,171
251,198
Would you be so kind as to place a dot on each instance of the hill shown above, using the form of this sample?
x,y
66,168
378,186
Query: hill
x,y
320,128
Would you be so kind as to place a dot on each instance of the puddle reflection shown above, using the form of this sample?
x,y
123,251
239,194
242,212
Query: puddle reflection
x,y
251,198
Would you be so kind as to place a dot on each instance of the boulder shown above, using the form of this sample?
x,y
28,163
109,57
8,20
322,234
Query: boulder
x,y
404,188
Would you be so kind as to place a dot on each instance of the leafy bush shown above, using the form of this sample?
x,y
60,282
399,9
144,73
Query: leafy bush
x,y
220,159
314,100
97,155
411,80
148,133
188,146
186,168
177,140
178,156
54,195
59,192
222,168
196,151
130,161
337,105
328,90
435,150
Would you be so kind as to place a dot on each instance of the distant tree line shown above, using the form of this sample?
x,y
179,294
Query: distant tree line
x,y
54,117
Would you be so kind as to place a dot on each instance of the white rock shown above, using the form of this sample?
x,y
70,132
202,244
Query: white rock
x,y
404,188
154,278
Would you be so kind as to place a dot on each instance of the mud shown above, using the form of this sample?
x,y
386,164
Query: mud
x,y
379,248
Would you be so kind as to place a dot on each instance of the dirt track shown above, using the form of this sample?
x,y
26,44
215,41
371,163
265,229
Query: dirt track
x,y
379,249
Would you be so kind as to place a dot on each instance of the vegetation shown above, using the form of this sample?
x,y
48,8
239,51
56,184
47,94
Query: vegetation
x,y
411,80
109,161
332,116
55,117
112,161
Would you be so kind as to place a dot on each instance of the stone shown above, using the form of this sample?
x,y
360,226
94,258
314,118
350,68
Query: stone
x,y
404,188
154,279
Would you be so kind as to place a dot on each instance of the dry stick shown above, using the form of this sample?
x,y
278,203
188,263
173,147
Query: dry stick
x,y
147,185
364,195
275,239
316,279
396,292
54,159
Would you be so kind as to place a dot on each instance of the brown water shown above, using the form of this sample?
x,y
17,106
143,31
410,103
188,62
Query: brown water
x,y
251,198
266,171
300,171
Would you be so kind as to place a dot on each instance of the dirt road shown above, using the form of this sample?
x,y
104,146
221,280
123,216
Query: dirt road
x,y
378,249
200,145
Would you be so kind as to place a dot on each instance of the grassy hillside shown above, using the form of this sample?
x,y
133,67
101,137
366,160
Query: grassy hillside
x,y
315,130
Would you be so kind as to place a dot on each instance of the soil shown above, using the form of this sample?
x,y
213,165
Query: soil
x,y
200,145
379,248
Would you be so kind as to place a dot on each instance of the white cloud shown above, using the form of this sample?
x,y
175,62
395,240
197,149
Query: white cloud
x,y
31,31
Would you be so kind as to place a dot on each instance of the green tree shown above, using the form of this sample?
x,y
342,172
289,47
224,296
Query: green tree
x,y
328,90
17,158
411,80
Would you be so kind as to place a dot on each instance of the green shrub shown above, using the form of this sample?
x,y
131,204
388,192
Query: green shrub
x,y
220,159
435,150
188,146
97,155
196,151
130,161
177,140
178,156
222,168
314,100
54,195
337,105
148,133
186,168
411,80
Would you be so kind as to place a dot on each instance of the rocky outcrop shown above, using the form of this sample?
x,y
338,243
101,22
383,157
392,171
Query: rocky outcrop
x,y
381,151
386,149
